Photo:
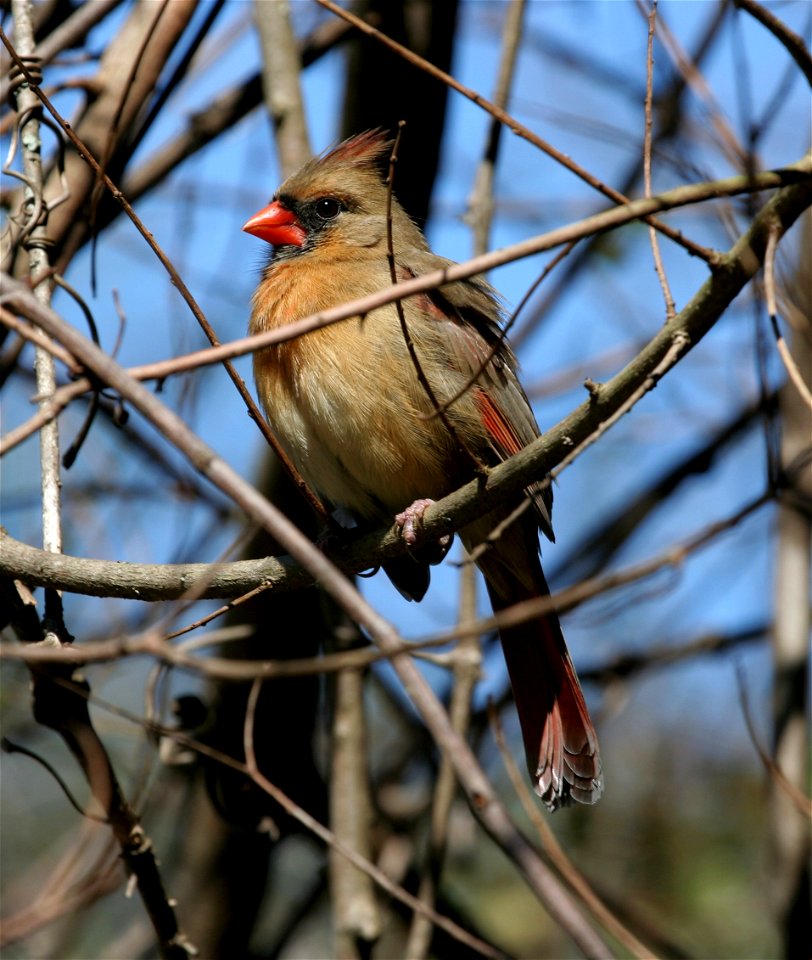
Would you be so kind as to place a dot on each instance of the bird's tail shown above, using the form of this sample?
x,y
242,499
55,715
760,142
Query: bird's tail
x,y
559,739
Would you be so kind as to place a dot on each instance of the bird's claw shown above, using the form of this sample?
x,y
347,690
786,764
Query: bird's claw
x,y
411,518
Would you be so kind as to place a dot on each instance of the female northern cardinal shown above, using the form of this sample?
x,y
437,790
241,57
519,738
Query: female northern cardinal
x,y
347,405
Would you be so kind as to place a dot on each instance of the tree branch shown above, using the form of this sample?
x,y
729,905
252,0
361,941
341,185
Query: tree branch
x,y
793,44
483,800
469,502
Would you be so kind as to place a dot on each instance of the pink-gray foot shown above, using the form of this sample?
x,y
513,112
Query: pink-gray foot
x,y
411,518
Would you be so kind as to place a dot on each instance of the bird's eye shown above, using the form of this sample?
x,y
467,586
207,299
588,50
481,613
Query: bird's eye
x,y
328,208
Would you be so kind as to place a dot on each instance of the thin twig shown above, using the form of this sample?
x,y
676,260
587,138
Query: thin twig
x,y
154,644
60,703
794,374
30,333
282,87
802,802
466,662
140,581
599,223
481,204
478,465
67,35
71,886
184,291
481,201
496,532
357,920
558,855
9,747
334,843
695,80
625,666
518,128
219,612
655,243
220,114
112,133
483,800
794,44
676,350
670,107
466,658
475,499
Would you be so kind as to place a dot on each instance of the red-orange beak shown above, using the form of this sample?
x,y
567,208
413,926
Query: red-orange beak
x,y
276,225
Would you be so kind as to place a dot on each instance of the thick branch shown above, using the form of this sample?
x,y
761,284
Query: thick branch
x,y
594,225
466,504
485,804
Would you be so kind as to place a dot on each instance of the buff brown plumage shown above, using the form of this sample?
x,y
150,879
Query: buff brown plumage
x,y
347,405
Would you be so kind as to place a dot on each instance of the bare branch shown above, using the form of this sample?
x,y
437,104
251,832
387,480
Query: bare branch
x,y
790,365
177,281
481,795
518,128
598,223
282,84
655,244
467,662
535,460
794,44
558,856
158,647
336,844
36,244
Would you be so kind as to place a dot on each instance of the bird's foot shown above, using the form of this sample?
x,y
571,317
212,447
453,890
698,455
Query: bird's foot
x,y
411,518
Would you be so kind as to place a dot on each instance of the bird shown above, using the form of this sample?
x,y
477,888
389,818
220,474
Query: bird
x,y
356,411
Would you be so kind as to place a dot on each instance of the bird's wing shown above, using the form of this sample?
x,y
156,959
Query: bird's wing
x,y
469,311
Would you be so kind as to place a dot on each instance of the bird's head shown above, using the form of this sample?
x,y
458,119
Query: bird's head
x,y
336,200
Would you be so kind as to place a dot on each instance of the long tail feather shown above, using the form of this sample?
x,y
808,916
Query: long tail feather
x,y
560,741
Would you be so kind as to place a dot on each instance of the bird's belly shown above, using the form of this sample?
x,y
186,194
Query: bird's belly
x,y
357,436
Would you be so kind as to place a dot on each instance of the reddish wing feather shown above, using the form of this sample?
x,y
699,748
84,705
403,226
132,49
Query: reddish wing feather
x,y
498,426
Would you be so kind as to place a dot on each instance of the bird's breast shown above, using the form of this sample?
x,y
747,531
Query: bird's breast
x,y
344,400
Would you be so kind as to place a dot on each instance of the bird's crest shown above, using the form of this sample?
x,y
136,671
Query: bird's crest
x,y
363,148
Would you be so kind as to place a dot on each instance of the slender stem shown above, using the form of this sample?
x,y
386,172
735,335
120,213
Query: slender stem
x,y
176,279
793,43
36,244
518,128
655,243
